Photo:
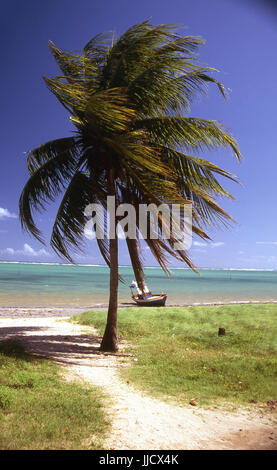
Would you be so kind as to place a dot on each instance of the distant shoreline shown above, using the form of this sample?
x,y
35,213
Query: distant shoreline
x,y
129,266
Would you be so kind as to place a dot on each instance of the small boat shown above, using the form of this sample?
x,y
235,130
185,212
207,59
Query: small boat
x,y
155,300
147,299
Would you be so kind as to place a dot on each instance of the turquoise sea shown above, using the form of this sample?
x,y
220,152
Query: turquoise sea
x,y
50,285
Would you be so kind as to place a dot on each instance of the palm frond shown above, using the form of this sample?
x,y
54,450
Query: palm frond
x,y
73,96
71,65
68,228
131,51
188,133
45,183
197,171
108,111
65,147
97,47
131,151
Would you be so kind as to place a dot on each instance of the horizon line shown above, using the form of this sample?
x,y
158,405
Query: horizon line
x,y
56,263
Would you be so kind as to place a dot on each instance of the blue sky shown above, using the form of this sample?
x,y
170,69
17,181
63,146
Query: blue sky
x,y
241,38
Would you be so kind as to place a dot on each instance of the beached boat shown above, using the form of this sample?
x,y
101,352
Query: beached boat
x,y
155,300
147,299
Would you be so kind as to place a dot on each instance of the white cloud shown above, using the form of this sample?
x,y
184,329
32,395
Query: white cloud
x,y
266,243
216,244
27,251
211,244
272,259
6,214
10,251
199,244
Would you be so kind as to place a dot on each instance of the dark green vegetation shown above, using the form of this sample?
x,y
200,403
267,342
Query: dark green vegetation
x,y
180,355
39,410
129,100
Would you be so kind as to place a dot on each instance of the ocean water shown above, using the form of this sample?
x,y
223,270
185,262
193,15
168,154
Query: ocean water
x,y
50,285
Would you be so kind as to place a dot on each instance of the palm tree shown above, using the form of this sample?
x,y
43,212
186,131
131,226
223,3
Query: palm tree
x,y
129,101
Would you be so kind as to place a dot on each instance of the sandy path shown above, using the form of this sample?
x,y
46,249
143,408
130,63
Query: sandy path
x,y
139,421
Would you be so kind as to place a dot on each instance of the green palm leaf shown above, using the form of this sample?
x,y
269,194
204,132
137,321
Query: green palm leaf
x,y
67,233
66,148
51,166
188,133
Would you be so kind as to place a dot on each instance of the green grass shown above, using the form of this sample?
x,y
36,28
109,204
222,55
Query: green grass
x,y
180,355
40,410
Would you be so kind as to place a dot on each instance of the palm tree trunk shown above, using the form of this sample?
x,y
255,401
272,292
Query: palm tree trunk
x,y
110,342
136,263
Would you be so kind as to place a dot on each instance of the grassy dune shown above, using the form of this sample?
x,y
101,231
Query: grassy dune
x,y
178,352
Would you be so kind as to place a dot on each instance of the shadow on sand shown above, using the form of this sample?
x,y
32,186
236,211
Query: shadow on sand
x,y
64,348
